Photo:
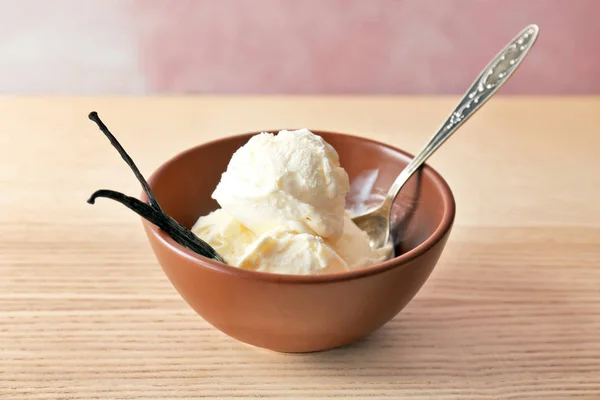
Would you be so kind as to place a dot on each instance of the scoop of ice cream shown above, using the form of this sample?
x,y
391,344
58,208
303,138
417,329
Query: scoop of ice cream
x,y
226,235
283,251
353,247
292,179
286,251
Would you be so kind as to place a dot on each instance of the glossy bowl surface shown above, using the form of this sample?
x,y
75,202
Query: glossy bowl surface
x,y
290,313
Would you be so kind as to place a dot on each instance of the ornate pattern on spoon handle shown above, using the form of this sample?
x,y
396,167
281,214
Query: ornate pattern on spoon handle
x,y
494,75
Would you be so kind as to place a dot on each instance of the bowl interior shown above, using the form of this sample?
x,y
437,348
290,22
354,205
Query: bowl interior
x,y
184,185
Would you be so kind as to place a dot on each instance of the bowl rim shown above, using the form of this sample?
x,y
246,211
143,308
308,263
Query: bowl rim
x,y
396,262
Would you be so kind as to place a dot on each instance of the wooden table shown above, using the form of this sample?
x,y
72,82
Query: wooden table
x,y
512,310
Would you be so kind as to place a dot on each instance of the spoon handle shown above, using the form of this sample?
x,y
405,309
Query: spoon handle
x,y
494,75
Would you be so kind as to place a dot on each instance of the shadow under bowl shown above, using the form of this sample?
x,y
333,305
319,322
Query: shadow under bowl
x,y
291,313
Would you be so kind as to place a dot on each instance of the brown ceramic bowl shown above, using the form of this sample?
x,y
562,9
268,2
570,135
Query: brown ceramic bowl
x,y
291,313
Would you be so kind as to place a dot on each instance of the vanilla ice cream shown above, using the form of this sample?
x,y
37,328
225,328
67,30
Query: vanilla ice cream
x,y
282,204
292,178
226,235
286,251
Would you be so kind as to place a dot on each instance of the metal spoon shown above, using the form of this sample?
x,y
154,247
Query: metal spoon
x,y
376,222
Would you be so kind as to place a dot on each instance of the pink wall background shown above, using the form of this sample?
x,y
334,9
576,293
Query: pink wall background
x,y
291,46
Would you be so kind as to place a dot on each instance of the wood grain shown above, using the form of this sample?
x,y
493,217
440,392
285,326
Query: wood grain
x,y
511,312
